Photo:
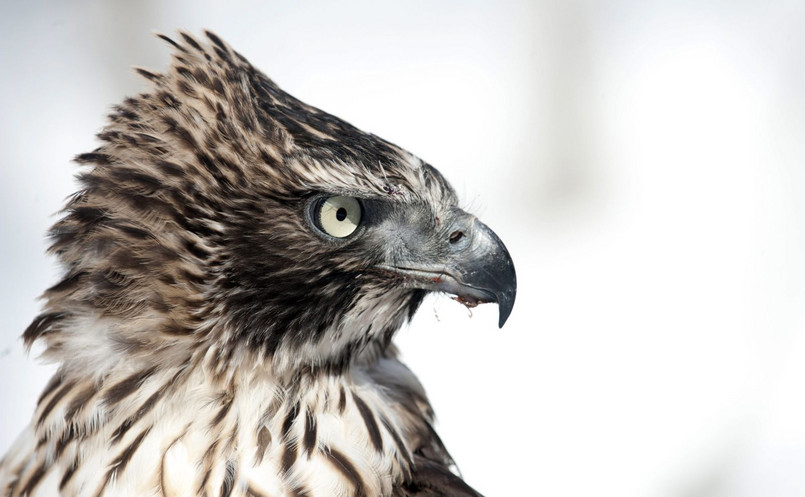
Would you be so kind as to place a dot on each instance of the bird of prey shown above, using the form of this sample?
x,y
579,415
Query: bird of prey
x,y
236,264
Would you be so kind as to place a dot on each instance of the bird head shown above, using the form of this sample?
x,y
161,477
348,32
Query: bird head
x,y
222,216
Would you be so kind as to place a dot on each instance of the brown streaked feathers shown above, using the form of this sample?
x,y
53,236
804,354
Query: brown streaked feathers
x,y
211,340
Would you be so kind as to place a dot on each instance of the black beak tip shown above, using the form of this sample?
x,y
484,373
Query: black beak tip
x,y
505,306
499,276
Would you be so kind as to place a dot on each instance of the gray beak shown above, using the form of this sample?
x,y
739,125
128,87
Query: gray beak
x,y
471,262
488,268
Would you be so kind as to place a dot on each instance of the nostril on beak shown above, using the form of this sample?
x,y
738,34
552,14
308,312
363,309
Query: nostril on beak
x,y
456,236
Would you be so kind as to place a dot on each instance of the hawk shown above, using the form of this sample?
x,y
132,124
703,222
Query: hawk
x,y
236,264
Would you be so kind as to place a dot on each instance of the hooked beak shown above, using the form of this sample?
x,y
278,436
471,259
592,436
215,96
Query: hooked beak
x,y
473,265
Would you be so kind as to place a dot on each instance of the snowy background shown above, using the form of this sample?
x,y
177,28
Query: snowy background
x,y
644,161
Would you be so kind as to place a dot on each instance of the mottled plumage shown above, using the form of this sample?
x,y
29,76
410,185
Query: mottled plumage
x,y
212,337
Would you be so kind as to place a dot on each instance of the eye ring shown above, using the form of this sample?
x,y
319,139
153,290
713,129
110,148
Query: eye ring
x,y
337,216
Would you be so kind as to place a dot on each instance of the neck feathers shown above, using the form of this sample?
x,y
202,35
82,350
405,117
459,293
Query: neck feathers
x,y
180,429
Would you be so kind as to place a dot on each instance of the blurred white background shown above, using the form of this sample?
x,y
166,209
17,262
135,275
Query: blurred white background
x,y
644,162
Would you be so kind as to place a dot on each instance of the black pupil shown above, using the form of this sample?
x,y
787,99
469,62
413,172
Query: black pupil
x,y
341,214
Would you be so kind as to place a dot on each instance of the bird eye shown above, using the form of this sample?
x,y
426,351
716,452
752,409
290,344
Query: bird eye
x,y
339,216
